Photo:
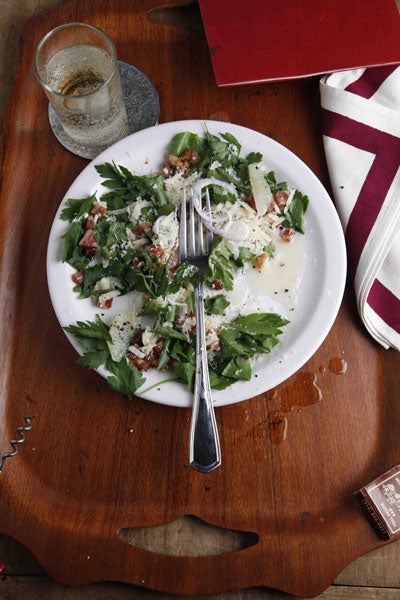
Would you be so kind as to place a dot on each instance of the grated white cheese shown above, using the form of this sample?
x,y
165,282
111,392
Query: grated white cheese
x,y
149,340
175,185
179,297
213,322
188,324
135,209
107,283
133,241
212,339
166,231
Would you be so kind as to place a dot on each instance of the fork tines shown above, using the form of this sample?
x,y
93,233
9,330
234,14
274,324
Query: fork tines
x,y
192,241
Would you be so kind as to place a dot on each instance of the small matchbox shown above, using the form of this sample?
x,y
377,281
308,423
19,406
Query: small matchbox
x,y
380,500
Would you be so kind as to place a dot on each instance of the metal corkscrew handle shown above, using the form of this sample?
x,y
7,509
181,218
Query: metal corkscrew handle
x,y
14,443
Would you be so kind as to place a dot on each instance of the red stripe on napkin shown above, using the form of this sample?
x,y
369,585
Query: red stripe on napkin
x,y
370,81
369,210
385,304
386,148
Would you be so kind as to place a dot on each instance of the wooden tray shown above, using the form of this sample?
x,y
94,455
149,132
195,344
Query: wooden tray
x,y
93,462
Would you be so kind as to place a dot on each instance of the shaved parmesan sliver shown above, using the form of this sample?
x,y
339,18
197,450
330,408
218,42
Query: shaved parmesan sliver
x,y
121,332
261,191
237,230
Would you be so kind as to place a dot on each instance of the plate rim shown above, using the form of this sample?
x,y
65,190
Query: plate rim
x,y
338,274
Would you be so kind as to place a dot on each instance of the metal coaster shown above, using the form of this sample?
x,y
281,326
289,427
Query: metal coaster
x,y
142,108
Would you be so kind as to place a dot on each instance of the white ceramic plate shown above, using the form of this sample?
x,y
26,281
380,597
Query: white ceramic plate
x,y
320,289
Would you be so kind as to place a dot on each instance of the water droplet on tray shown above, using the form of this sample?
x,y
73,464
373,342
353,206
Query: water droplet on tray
x,y
302,391
277,427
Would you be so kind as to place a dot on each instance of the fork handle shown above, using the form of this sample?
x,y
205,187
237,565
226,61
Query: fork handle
x,y
204,451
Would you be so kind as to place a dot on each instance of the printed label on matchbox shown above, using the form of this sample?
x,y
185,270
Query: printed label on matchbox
x,y
381,500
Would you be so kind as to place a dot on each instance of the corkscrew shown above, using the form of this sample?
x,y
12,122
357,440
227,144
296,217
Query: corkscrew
x,y
14,443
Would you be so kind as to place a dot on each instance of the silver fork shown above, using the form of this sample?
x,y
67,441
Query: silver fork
x,y
194,247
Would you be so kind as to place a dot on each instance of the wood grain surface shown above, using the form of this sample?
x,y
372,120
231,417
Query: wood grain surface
x,y
82,476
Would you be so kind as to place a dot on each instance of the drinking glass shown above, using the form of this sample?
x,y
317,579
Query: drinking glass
x,y
77,67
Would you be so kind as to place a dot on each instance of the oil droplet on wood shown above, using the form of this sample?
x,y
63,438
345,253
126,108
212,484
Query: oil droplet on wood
x,y
337,366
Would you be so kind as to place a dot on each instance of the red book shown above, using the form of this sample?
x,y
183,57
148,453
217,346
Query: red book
x,y
264,40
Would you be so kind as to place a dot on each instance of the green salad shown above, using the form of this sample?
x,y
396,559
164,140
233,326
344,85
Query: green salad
x,y
125,241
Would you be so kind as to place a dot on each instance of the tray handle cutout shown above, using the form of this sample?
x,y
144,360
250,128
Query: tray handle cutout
x,y
188,536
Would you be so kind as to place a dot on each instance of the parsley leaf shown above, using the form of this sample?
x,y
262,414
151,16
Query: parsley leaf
x,y
269,249
185,371
245,255
295,214
219,265
186,273
216,305
93,337
243,170
256,323
235,145
126,377
89,330
126,186
226,152
186,141
274,185
251,334
71,250
76,208
238,368
170,332
218,381
90,279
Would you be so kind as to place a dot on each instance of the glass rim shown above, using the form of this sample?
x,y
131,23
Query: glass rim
x,y
50,33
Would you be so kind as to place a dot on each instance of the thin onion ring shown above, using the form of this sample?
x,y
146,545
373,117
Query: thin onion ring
x,y
205,218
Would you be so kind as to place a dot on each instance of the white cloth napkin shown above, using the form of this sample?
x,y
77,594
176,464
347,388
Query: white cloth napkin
x,y
361,132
